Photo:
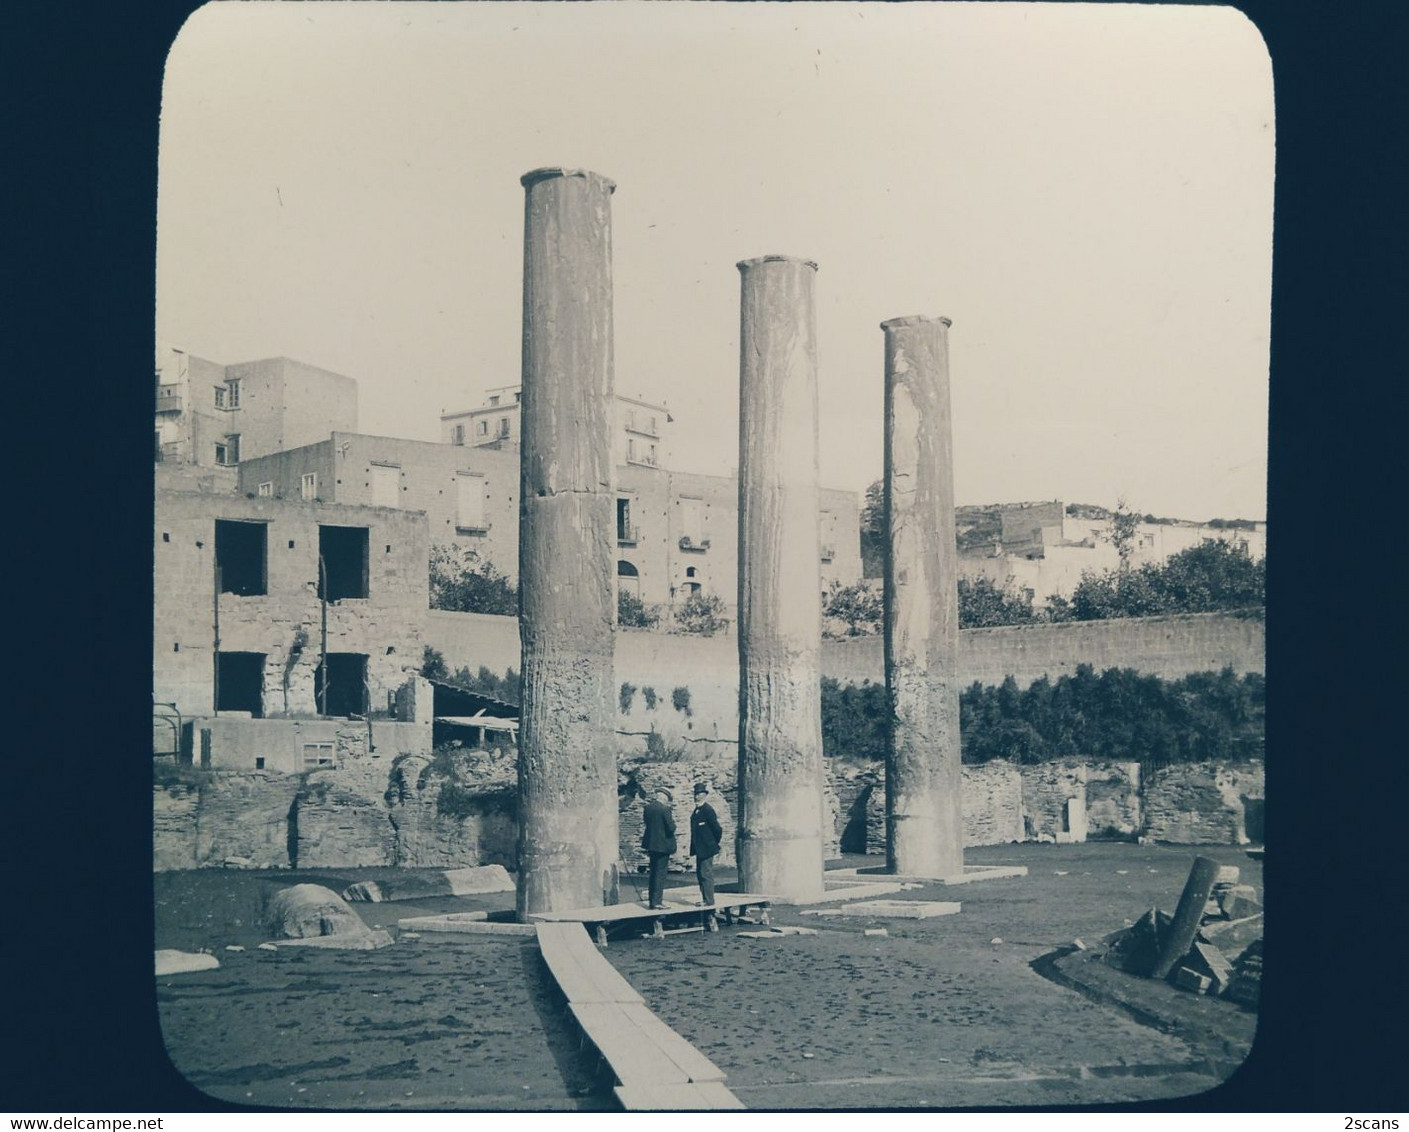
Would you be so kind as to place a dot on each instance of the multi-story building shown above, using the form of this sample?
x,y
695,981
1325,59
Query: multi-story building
x,y
277,621
676,533
214,416
640,437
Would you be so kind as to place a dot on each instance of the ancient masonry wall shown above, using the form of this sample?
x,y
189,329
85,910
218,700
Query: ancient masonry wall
x,y
450,811
1202,803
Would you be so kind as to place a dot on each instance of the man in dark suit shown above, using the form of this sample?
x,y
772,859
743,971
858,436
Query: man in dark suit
x,y
704,841
658,841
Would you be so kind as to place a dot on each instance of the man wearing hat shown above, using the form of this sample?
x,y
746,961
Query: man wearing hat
x,y
658,841
704,841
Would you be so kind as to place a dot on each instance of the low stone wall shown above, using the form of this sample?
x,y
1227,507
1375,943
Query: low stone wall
x,y
1202,803
993,804
460,809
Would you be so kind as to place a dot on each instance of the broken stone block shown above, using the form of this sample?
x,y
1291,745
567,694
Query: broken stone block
x,y
1186,978
894,909
877,932
369,942
305,911
1245,987
1227,874
1238,901
364,891
171,962
1206,959
1136,948
479,879
1231,936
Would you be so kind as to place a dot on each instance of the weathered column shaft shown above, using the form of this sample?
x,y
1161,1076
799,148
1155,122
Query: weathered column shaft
x,y
567,599
924,807
780,617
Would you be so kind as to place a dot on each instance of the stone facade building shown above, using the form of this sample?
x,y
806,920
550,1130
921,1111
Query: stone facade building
x,y
276,621
676,532
640,435
215,416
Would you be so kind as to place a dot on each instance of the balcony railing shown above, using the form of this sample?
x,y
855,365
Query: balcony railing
x,y
168,400
828,553
628,535
689,543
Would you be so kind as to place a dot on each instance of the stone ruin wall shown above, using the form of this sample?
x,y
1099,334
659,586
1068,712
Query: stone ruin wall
x,y
1202,803
327,818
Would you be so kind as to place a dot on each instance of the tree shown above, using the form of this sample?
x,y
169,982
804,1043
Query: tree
x,y
433,664
858,605
462,581
874,535
1124,524
983,604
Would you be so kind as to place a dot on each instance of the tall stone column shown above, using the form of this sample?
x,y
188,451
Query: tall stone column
x,y
780,615
567,597
924,805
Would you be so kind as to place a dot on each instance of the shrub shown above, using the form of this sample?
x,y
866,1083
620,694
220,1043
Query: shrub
x,y
701,613
627,693
680,700
633,613
649,695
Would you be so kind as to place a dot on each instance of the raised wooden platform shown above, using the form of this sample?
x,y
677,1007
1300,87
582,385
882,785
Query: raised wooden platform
x,y
699,917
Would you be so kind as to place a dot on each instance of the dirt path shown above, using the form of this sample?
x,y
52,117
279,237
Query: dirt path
x,y
932,1014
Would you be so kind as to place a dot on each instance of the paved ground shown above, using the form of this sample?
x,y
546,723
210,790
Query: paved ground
x,y
934,1013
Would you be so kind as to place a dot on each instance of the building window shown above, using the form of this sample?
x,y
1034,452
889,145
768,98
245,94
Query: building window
x,y
482,429
342,558
239,682
266,490
227,396
308,487
518,397
459,434
651,456
469,501
631,449
316,755
340,684
386,485
241,554
628,578
227,450
625,532
503,428
692,519
494,399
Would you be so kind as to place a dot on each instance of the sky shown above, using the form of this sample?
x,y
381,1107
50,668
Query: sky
x,y
1084,189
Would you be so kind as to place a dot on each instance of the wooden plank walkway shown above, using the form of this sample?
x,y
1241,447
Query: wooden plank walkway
x,y
654,1066
677,1098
